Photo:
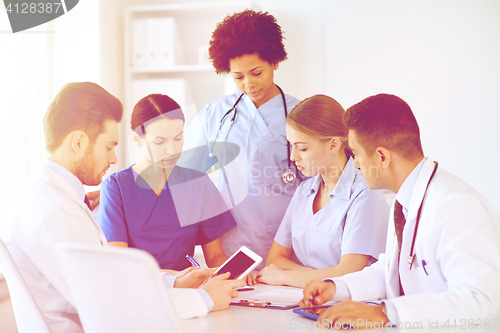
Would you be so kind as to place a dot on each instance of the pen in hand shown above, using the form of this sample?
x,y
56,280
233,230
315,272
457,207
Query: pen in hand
x,y
193,262
310,300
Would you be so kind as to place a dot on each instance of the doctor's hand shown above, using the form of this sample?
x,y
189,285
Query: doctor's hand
x,y
222,290
350,314
271,274
94,195
318,293
192,277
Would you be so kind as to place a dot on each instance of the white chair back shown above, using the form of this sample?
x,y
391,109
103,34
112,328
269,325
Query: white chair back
x,y
27,314
117,289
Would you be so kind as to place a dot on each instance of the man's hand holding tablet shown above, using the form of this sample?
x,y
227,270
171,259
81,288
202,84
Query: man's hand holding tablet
x,y
240,264
193,277
222,290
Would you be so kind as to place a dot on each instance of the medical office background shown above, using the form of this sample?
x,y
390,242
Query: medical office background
x,y
441,56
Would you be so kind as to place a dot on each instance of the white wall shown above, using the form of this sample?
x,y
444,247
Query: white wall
x,y
74,53
443,58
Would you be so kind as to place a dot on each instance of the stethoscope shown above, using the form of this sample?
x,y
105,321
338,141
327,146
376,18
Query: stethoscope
x,y
411,259
289,175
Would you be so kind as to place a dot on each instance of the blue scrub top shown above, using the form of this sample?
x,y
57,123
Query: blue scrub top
x,y
354,221
188,212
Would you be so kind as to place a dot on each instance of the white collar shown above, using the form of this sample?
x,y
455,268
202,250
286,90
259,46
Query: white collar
x,y
406,190
67,175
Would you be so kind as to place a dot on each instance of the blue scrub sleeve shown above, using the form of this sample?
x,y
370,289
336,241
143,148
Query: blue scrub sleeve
x,y
111,216
213,228
365,228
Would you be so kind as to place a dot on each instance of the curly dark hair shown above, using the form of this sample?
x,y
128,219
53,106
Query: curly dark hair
x,y
247,32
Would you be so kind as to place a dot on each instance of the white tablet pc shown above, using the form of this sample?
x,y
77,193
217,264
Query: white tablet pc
x,y
240,264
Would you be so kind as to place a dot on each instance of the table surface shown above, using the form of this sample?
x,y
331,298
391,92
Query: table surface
x,y
250,320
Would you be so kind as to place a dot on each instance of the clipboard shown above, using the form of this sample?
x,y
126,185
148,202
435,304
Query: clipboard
x,y
264,304
281,299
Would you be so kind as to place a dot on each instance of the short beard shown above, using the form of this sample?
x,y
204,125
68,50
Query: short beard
x,y
85,169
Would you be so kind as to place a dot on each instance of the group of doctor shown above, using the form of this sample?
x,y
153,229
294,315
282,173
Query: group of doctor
x,y
321,223
334,222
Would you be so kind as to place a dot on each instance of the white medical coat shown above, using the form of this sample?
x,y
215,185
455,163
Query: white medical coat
x,y
458,238
259,195
52,212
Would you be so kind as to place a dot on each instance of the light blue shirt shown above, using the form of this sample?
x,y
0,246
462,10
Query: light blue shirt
x,y
354,221
255,184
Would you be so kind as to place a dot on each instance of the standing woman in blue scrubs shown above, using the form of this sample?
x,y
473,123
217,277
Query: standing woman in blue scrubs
x,y
334,224
157,206
249,46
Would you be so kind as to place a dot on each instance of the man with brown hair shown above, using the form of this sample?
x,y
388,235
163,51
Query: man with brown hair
x,y
441,266
81,133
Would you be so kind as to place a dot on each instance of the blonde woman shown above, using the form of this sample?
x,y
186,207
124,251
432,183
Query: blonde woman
x,y
334,224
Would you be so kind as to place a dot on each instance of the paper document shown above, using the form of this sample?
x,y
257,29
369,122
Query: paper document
x,y
280,298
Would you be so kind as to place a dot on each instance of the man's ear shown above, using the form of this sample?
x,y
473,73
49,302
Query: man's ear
x,y
79,142
383,156
275,66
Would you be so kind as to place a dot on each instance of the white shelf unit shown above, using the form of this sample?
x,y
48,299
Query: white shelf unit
x,y
173,69
194,23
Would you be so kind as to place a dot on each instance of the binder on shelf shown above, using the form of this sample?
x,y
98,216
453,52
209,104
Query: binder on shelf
x,y
166,42
156,43
152,46
203,55
137,51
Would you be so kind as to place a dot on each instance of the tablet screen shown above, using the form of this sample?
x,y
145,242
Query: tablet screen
x,y
238,265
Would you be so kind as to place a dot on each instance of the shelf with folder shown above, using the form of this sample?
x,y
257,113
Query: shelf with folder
x,y
159,36
166,52
191,7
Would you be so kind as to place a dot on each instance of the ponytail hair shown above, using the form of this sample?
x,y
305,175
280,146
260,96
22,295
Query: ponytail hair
x,y
320,117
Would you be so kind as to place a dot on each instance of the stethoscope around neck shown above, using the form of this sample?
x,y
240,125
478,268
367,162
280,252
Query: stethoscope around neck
x,y
411,258
288,176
